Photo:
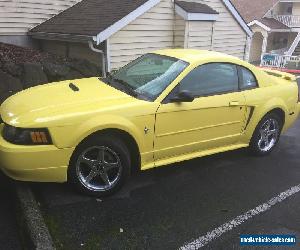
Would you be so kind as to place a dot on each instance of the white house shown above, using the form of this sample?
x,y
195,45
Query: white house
x,y
276,28
124,30
18,16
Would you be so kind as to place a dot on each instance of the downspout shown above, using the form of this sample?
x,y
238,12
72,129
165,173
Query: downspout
x,y
174,24
212,36
91,45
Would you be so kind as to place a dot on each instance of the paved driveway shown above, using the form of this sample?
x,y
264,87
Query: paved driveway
x,y
169,207
9,238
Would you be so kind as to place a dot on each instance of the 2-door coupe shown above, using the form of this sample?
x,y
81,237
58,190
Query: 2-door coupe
x,y
164,107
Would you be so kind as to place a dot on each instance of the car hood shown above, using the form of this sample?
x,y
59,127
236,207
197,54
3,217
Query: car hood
x,y
61,100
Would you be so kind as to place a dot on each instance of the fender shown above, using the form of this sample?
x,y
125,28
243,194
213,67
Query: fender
x,y
78,133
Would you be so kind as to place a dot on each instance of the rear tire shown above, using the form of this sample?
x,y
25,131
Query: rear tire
x,y
266,135
100,166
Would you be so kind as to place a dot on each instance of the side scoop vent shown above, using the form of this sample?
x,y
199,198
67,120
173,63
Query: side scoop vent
x,y
280,74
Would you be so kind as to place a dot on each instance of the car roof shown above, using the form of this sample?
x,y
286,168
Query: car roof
x,y
194,56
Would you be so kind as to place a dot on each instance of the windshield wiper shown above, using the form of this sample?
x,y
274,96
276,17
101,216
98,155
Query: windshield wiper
x,y
128,88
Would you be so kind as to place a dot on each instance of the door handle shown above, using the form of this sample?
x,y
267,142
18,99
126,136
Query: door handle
x,y
234,104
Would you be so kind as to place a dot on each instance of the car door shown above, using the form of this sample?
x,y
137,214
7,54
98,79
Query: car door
x,y
215,118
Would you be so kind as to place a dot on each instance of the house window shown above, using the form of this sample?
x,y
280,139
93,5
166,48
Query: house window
x,y
289,8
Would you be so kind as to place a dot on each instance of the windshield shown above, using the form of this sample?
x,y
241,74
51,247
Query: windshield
x,y
149,75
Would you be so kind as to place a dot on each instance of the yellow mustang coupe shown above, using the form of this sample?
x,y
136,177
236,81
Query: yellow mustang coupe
x,y
164,107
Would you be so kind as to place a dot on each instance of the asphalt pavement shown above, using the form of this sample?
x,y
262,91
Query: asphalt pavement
x,y
168,207
9,233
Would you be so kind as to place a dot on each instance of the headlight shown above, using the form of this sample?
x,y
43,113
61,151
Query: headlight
x,y
22,136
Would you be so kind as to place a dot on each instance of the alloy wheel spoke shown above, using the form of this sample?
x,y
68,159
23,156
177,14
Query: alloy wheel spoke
x,y
268,125
266,141
109,166
91,176
87,161
263,137
274,124
273,132
105,178
101,155
262,132
260,142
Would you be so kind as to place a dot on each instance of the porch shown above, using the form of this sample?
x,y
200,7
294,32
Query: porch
x,y
278,43
282,49
276,49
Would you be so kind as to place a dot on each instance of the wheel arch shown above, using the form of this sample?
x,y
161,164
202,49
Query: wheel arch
x,y
279,110
126,137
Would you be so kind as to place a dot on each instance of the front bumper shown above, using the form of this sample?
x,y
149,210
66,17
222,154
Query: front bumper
x,y
34,163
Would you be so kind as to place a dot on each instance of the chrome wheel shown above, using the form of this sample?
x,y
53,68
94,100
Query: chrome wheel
x,y
269,134
99,168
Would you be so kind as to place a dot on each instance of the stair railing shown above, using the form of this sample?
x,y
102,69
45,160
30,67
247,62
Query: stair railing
x,y
293,46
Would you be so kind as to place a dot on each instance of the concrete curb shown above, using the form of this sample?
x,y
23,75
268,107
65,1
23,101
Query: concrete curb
x,y
34,232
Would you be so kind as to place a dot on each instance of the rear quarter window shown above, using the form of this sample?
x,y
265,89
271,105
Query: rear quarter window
x,y
248,79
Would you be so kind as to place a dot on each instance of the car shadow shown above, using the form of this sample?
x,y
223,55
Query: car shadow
x,y
55,194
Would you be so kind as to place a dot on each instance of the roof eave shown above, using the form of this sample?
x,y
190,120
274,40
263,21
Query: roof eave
x,y
61,37
280,30
238,17
260,24
108,32
267,28
195,16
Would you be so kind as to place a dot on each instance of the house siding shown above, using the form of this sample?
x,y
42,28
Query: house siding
x,y
296,9
200,35
179,32
18,16
151,31
229,37
161,28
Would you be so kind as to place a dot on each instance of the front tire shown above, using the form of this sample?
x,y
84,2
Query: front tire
x,y
100,166
266,135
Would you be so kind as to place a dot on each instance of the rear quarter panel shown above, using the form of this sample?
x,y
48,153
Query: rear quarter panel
x,y
272,93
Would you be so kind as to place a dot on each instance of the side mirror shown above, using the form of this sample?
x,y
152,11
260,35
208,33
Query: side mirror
x,y
183,96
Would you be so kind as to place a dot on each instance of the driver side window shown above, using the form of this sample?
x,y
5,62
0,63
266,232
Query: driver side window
x,y
211,79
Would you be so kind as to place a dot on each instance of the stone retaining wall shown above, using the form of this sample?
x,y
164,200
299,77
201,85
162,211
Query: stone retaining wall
x,y
22,68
